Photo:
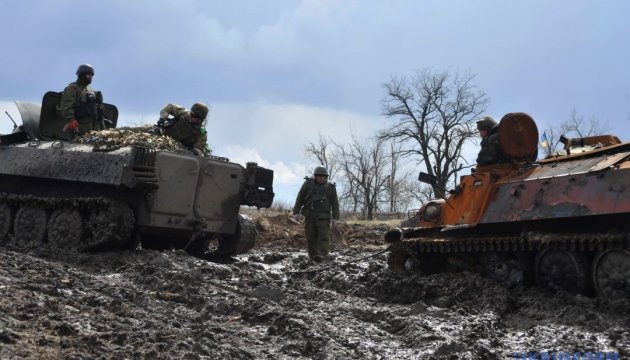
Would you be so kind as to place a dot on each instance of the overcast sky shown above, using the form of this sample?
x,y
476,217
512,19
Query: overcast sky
x,y
277,73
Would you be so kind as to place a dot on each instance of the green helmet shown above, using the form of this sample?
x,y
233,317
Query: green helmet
x,y
200,109
85,68
320,170
486,123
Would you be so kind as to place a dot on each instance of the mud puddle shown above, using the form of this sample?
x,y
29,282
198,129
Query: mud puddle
x,y
165,305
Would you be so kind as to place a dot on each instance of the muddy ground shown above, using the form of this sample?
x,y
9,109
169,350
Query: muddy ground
x,y
166,305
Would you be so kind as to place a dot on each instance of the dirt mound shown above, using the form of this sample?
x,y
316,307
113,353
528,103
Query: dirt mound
x,y
280,230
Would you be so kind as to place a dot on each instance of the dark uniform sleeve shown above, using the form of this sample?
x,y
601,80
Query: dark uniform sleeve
x,y
334,202
69,98
490,152
299,200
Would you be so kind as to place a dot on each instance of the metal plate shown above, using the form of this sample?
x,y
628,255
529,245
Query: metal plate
x,y
518,137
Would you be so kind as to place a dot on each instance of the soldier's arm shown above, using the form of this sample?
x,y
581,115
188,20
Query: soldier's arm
x,y
170,109
68,99
334,203
299,200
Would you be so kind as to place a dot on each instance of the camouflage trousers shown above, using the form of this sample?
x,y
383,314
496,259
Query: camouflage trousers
x,y
88,124
317,236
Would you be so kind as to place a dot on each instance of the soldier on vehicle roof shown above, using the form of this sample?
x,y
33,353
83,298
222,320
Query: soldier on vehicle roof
x,y
490,152
80,106
316,200
185,126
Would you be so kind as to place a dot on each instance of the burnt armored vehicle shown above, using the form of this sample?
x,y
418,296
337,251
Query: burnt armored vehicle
x,y
70,194
562,222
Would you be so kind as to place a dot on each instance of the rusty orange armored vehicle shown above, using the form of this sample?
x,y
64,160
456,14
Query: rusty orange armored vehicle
x,y
562,222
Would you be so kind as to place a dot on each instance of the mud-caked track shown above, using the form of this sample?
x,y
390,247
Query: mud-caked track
x,y
581,263
81,223
150,304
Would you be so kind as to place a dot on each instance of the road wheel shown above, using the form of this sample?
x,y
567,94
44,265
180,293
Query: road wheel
x,y
65,228
611,274
29,226
506,269
562,270
5,221
111,226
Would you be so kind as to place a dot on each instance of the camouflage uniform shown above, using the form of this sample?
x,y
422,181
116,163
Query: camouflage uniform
x,y
490,152
191,135
316,202
79,102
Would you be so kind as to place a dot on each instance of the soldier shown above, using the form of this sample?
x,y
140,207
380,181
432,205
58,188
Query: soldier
x,y
80,106
185,126
490,152
316,200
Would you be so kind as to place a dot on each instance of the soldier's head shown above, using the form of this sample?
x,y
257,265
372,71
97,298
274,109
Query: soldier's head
x,y
484,125
85,72
321,174
198,113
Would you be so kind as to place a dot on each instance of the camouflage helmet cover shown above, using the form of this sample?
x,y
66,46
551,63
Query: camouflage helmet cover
x,y
486,123
200,109
320,170
85,68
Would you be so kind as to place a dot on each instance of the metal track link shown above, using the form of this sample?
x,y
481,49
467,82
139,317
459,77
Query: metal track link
x,y
526,242
122,222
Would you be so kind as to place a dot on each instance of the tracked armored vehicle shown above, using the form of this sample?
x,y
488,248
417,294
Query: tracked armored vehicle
x,y
69,194
562,222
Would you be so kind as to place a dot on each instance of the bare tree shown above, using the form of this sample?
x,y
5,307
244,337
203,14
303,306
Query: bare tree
x,y
397,187
363,165
575,126
323,153
433,118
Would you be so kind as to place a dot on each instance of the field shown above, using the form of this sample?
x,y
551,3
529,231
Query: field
x,y
275,303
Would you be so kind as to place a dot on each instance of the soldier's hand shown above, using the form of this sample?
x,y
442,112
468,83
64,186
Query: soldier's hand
x,y
155,131
161,122
71,126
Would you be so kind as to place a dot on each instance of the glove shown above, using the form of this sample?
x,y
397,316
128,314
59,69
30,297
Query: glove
x,y
161,122
156,131
71,126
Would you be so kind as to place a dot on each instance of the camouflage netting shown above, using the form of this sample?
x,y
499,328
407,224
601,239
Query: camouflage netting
x,y
112,139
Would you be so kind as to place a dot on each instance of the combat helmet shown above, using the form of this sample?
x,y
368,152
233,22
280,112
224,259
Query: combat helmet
x,y
85,68
200,109
320,170
486,123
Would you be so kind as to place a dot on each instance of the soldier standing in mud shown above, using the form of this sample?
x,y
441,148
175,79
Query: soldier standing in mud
x,y
80,105
316,200
490,152
185,126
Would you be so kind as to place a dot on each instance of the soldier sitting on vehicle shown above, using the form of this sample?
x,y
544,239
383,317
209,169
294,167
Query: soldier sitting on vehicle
x,y
490,152
81,107
185,126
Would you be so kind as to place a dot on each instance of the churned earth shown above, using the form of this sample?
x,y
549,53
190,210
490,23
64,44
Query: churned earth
x,y
275,303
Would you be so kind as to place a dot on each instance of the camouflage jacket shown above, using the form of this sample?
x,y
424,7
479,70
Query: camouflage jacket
x,y
317,200
193,136
73,95
490,152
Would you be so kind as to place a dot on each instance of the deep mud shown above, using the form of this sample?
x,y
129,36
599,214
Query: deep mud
x,y
150,304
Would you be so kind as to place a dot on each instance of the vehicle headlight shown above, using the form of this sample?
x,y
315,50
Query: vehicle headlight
x,y
432,212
